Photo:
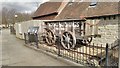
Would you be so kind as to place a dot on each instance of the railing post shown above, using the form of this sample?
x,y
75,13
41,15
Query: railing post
x,y
59,47
106,63
28,37
58,50
25,38
36,39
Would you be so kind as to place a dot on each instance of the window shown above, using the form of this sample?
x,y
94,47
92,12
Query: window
x,y
81,1
71,2
109,17
93,3
104,18
114,17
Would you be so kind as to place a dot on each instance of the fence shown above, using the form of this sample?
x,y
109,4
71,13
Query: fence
x,y
88,55
12,30
30,38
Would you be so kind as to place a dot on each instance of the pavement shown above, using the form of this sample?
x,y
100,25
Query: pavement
x,y
14,53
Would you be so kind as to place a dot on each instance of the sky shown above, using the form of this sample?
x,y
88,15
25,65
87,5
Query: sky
x,y
23,6
27,6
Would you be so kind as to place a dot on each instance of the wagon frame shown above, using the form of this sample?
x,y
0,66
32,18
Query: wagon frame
x,y
70,32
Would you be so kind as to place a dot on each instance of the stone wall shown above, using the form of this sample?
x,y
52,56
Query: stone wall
x,y
108,29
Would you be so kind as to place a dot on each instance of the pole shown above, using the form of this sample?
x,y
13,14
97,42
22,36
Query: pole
x,y
106,55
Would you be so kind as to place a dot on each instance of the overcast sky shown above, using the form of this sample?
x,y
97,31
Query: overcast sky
x,y
27,5
22,5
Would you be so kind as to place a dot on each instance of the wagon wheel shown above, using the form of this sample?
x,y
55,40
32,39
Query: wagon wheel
x,y
49,37
68,40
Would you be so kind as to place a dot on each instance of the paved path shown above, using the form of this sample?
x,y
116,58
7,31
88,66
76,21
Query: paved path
x,y
14,53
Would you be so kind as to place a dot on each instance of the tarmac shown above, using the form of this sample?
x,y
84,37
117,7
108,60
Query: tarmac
x,y
14,53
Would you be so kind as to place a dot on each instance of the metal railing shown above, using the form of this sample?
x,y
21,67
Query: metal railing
x,y
88,55
28,38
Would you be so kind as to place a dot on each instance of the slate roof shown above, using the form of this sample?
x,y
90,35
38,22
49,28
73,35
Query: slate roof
x,y
77,10
102,9
47,8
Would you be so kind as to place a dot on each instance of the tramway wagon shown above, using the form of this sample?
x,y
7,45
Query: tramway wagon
x,y
68,33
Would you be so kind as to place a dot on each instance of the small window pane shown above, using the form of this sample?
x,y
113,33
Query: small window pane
x,y
114,17
93,3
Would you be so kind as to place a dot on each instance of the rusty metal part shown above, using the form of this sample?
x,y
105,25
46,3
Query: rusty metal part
x,y
89,40
68,40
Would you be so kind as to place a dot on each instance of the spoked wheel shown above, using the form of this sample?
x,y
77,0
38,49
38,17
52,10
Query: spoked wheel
x,y
68,40
49,37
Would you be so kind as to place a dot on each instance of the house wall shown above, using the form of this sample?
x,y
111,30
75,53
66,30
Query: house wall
x,y
23,27
92,26
108,29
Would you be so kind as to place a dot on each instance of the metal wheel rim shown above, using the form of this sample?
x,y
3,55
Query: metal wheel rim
x,y
70,42
50,37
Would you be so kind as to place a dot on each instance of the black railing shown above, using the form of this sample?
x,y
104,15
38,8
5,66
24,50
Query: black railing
x,y
88,55
34,38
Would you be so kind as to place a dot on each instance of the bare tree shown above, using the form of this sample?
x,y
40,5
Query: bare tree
x,y
8,16
4,19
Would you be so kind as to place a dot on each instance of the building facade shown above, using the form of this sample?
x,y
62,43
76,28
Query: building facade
x,y
102,18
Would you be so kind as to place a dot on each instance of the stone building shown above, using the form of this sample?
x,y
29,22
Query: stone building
x,y
102,18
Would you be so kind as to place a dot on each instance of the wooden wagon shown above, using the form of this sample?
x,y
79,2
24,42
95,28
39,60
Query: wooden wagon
x,y
68,32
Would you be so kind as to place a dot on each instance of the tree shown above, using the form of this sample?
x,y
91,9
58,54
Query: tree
x,y
8,16
4,20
